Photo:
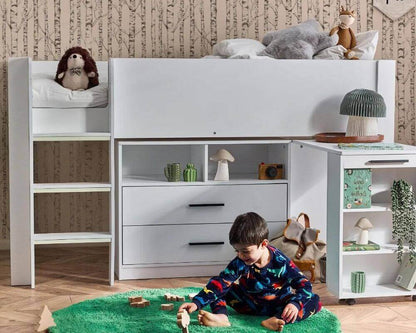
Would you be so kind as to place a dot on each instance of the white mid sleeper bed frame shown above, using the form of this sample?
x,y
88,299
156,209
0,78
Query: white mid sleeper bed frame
x,y
162,109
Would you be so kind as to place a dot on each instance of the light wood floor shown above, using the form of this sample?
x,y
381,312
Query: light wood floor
x,y
69,275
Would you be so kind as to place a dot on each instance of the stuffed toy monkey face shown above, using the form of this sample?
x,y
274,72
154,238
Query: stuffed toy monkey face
x,y
75,60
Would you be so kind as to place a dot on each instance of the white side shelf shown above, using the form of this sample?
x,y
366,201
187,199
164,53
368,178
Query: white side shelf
x,y
378,290
377,207
72,238
380,266
157,180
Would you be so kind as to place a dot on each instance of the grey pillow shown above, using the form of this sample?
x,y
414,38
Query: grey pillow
x,y
298,42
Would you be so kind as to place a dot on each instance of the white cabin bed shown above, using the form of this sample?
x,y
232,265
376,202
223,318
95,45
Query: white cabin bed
x,y
162,110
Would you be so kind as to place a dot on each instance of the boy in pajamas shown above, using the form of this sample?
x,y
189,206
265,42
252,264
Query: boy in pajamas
x,y
257,282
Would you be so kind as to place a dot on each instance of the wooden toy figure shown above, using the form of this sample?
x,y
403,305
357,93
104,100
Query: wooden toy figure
x,y
183,320
46,320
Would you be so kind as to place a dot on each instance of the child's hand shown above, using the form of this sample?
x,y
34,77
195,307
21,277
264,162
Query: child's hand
x,y
290,313
190,307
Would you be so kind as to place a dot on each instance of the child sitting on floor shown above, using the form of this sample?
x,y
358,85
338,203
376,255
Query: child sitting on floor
x,y
265,278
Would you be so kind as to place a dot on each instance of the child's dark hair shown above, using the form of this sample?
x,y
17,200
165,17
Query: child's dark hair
x,y
248,229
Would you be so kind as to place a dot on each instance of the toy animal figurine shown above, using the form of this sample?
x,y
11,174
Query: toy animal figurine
x,y
345,33
183,320
77,70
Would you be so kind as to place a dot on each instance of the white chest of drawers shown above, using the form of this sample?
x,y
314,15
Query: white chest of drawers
x,y
168,229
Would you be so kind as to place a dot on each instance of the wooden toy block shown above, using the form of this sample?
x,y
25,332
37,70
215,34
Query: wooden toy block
x,y
138,304
167,307
46,320
135,299
183,320
192,295
168,296
174,298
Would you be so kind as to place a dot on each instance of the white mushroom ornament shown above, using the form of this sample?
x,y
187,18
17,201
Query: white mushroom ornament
x,y
364,225
222,156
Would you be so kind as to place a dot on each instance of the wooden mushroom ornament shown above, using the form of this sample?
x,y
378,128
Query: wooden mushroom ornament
x,y
364,225
222,156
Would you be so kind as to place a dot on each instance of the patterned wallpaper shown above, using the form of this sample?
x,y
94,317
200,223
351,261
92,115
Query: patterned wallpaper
x,y
44,29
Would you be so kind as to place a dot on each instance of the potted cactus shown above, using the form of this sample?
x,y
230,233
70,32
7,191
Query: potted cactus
x,y
190,173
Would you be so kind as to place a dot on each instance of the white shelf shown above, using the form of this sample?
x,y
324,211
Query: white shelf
x,y
71,187
72,238
384,249
376,207
87,136
379,290
157,180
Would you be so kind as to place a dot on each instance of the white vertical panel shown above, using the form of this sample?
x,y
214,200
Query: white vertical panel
x,y
308,185
335,220
20,171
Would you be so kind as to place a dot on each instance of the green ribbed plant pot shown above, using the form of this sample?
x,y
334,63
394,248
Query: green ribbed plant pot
x,y
357,282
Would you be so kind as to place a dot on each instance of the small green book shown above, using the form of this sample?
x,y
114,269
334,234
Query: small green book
x,y
353,246
370,146
357,188
407,273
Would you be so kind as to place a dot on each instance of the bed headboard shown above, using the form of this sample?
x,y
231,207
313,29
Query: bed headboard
x,y
209,98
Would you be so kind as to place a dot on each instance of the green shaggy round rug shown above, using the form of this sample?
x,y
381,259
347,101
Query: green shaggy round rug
x,y
114,314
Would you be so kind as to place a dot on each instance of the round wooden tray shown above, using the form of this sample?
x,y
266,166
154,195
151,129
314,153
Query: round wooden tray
x,y
337,137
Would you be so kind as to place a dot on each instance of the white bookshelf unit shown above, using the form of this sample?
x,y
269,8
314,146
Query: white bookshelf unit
x,y
189,221
380,266
28,126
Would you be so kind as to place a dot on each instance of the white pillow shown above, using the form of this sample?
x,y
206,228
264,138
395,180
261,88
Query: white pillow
x,y
331,53
49,94
366,45
365,49
240,48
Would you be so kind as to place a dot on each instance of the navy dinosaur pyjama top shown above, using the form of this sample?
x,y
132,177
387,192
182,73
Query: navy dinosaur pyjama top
x,y
261,291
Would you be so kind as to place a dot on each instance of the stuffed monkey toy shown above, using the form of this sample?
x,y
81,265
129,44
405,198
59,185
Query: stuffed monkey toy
x,y
345,33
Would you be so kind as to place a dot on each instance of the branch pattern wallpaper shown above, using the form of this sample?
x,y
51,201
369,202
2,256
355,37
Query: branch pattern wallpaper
x,y
44,29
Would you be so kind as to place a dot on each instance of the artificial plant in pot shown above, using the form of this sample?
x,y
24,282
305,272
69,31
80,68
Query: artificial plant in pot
x,y
404,217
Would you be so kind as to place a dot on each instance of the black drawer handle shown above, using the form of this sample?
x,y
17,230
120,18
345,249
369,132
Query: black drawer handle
x,y
387,161
206,243
207,205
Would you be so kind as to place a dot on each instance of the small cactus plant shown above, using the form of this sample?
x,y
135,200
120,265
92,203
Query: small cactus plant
x,y
190,173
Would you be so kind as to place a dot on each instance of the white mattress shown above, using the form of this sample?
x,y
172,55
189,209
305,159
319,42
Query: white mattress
x,y
49,94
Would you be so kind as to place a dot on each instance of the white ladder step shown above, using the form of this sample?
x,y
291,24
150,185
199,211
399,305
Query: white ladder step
x,y
87,136
72,238
71,187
